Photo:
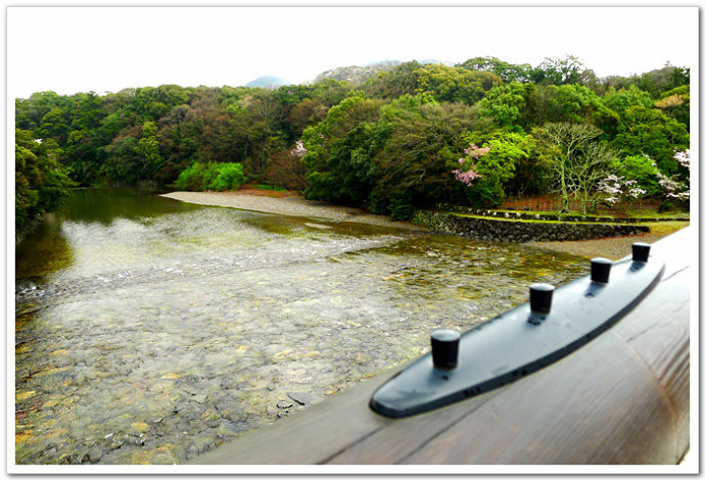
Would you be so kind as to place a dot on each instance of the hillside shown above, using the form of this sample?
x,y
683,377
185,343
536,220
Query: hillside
x,y
267,81
358,75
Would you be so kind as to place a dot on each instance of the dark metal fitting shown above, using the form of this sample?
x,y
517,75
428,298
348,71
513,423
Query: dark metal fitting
x,y
540,296
600,270
640,252
444,348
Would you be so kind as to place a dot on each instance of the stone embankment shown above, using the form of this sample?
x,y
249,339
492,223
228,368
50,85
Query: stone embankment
x,y
558,217
511,230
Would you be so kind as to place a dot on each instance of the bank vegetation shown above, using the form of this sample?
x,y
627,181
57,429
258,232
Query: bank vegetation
x,y
406,138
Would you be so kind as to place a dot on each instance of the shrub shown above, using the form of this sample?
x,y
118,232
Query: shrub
x,y
228,176
401,207
191,178
213,176
487,195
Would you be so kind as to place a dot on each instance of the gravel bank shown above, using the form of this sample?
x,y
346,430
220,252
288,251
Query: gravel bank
x,y
291,205
612,248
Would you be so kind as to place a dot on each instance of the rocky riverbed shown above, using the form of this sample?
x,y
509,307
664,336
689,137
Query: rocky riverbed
x,y
151,337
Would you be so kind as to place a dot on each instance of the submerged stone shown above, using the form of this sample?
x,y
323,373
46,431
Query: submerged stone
x,y
140,427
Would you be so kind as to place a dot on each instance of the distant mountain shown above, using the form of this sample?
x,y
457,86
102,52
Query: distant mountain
x,y
355,74
267,81
440,62
358,75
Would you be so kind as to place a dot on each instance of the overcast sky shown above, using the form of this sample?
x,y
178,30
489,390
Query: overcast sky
x,y
106,49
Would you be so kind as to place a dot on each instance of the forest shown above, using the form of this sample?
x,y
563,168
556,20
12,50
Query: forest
x,y
407,136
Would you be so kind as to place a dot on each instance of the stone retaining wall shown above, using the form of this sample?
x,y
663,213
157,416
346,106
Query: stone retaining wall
x,y
497,230
559,217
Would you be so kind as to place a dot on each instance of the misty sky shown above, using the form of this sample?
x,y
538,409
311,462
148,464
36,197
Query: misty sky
x,y
106,49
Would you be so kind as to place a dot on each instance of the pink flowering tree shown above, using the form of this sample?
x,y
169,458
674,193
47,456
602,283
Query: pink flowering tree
x,y
467,172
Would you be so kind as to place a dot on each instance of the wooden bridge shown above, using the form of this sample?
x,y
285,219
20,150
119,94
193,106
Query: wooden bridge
x,y
624,398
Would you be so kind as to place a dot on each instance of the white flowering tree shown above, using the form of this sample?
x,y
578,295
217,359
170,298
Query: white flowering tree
x,y
673,187
615,189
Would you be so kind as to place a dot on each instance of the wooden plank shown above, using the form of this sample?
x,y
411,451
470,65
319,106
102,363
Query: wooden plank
x,y
661,334
623,398
397,440
581,410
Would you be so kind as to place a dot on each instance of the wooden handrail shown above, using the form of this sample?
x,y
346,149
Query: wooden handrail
x,y
623,398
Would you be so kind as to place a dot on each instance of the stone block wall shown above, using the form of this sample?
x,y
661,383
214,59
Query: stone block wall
x,y
497,230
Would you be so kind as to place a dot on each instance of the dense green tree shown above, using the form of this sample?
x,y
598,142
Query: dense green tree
x,y
401,80
449,84
676,104
649,131
559,71
305,114
566,103
29,112
506,71
330,92
124,161
339,150
229,176
150,103
504,104
655,82
532,170
416,162
623,99
54,125
41,183
85,111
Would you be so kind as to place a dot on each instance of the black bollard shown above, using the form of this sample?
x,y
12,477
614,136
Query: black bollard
x,y
640,252
444,348
600,270
540,296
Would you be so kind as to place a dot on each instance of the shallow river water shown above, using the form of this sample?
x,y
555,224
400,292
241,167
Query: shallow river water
x,y
149,330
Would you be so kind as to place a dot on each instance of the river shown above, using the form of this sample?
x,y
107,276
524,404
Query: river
x,y
149,330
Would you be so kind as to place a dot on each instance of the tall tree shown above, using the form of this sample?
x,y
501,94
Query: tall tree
x,y
559,71
148,151
577,159
506,71
338,152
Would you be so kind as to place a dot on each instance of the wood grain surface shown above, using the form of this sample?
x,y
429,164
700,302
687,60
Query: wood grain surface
x,y
624,398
